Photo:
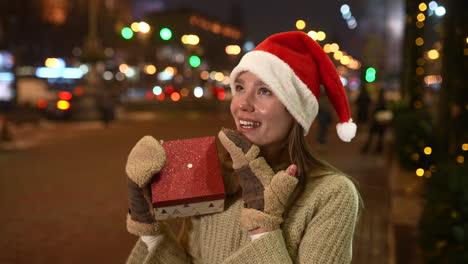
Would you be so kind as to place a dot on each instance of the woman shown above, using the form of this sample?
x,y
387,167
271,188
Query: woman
x,y
284,205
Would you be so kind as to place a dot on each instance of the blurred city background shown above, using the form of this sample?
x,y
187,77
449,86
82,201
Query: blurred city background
x,y
82,80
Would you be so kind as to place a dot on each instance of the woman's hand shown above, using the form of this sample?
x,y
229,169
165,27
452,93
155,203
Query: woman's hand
x,y
265,193
145,159
291,171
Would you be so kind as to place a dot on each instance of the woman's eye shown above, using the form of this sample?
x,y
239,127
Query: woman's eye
x,y
239,88
265,91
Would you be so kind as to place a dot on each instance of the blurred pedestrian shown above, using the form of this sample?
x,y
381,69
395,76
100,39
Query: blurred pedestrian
x,y
106,107
380,118
5,131
283,204
363,102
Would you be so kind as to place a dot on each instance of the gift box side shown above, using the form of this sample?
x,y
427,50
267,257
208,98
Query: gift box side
x,y
199,199
191,209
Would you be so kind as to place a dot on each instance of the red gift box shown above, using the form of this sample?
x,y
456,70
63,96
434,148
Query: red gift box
x,y
191,182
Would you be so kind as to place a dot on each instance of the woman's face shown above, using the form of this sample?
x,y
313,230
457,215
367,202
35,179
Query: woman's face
x,y
258,113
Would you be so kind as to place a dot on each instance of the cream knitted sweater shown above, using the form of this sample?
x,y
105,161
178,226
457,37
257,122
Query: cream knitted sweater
x,y
319,228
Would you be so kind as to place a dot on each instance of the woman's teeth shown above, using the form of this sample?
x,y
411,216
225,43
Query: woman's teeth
x,y
248,124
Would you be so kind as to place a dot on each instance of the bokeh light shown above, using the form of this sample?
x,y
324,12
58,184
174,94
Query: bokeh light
x,y
65,95
170,71
63,105
233,49
338,55
42,104
150,69
334,47
345,9
419,41
345,60
460,159
433,54
300,24
312,34
422,7
143,27
465,147
419,70
161,96
157,90
127,33
440,11
198,92
204,75
184,92
123,68
165,34
420,172
219,76
175,96
135,26
194,61
321,36
248,46
427,150
421,17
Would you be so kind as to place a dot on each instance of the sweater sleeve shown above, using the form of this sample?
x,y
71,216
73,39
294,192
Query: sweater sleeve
x,y
270,248
329,235
327,238
166,251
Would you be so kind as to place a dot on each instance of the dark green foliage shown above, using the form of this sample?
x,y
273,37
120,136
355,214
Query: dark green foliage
x,y
443,225
414,129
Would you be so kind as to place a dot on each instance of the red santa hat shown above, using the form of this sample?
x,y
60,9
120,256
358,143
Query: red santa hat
x,y
294,66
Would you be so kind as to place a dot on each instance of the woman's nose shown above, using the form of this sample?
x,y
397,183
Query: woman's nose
x,y
246,105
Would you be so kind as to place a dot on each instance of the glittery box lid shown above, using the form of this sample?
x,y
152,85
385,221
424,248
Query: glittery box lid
x,y
192,173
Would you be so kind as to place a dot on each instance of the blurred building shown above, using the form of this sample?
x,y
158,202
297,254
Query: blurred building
x,y
213,38
36,29
381,29
183,49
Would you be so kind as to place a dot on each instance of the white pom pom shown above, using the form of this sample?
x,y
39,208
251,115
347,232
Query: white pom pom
x,y
346,131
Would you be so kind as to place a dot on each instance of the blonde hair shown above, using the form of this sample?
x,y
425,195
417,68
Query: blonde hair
x,y
301,154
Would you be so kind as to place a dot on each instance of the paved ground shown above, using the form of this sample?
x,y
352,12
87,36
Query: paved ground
x,y
63,189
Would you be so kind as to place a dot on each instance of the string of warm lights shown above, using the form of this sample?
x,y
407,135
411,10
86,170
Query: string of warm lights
x,y
332,48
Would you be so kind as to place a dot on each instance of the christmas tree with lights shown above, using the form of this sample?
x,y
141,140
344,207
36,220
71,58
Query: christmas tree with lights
x,y
432,139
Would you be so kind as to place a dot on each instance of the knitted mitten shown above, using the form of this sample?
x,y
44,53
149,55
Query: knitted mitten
x,y
145,159
265,193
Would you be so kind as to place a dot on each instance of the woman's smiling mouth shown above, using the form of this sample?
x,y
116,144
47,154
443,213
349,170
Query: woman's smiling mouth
x,y
249,124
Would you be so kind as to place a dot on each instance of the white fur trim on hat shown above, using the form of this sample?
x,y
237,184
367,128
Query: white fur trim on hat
x,y
279,76
346,131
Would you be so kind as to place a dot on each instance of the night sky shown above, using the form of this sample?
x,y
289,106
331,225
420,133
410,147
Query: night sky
x,y
265,17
